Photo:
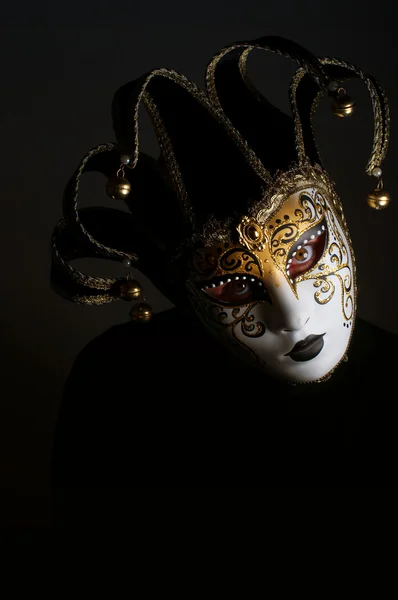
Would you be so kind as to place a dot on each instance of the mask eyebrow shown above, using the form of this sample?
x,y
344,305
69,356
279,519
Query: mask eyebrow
x,y
240,258
223,279
308,236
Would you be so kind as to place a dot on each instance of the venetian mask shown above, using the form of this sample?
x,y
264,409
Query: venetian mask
x,y
238,194
281,293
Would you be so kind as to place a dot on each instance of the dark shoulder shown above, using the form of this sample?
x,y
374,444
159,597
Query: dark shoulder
x,y
161,323
369,330
130,336
168,338
373,343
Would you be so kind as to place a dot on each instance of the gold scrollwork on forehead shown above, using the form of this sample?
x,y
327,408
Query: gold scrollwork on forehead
x,y
307,210
279,233
287,183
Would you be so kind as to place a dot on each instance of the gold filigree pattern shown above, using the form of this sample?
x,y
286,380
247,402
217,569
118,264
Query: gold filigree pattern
x,y
326,288
216,316
287,183
276,234
240,317
251,329
287,229
337,254
220,260
236,261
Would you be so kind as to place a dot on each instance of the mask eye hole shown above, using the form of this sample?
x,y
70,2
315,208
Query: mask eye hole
x,y
307,251
235,291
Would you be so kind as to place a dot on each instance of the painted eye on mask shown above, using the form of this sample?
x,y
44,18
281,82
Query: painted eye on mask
x,y
307,251
236,291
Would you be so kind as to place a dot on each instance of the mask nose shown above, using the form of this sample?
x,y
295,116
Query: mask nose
x,y
288,313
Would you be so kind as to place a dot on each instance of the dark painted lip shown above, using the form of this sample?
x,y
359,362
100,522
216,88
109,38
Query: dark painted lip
x,y
307,349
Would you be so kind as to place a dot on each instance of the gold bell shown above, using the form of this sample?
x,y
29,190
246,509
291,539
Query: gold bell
x,y
141,312
130,289
343,105
378,199
118,188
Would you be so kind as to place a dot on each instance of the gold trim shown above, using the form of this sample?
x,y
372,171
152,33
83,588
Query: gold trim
x,y
298,127
103,251
381,132
242,63
376,156
166,147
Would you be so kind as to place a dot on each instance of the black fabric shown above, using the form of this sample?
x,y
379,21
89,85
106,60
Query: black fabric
x,y
152,232
268,130
307,91
217,178
287,48
162,405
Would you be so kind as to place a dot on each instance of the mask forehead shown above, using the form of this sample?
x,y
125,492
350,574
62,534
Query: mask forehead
x,y
266,240
272,238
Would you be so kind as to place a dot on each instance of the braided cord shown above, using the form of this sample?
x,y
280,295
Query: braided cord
x,y
71,212
285,48
298,127
128,132
71,240
274,44
381,112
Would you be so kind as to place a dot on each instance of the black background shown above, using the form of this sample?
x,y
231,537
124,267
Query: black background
x,y
60,65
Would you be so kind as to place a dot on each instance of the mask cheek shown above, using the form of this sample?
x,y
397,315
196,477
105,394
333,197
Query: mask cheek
x,y
230,324
216,318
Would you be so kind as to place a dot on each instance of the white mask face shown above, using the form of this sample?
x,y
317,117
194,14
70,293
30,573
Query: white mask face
x,y
284,297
